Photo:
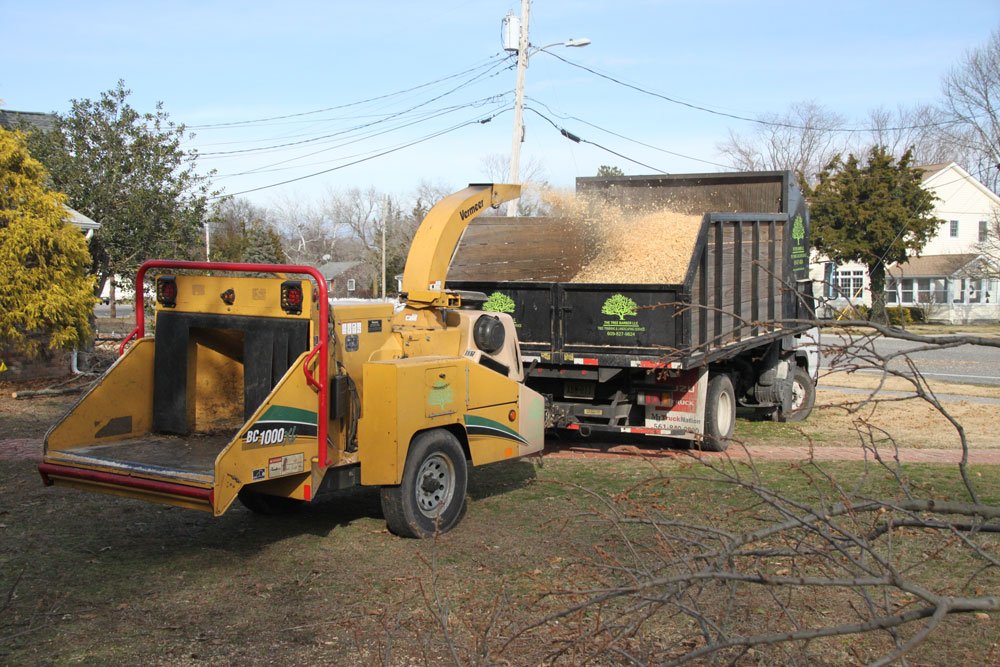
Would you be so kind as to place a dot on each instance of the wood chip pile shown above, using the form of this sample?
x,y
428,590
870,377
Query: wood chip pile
x,y
632,245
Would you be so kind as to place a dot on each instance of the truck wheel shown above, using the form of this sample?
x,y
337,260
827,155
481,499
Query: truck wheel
x,y
803,397
262,503
720,413
431,497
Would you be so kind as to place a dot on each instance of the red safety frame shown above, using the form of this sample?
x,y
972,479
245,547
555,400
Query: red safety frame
x,y
321,385
49,470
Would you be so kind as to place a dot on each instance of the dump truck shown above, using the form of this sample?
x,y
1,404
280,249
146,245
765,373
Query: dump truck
x,y
652,356
253,387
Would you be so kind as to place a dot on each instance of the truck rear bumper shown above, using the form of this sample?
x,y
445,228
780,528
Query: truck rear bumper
x,y
168,493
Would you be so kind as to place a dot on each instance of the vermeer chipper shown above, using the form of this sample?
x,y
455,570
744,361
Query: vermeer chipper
x,y
257,389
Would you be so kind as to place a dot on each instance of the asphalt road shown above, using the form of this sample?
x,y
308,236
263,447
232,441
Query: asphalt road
x,y
962,365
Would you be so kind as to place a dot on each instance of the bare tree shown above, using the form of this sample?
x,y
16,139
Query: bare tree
x,y
366,214
310,235
972,103
917,129
802,140
533,180
990,248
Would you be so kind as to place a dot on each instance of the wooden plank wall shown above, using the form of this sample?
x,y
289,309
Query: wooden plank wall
x,y
532,249
696,198
737,288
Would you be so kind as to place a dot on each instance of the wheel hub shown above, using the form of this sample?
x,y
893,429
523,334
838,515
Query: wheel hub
x,y
437,485
798,395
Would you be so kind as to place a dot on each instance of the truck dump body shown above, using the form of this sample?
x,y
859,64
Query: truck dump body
x,y
740,277
590,344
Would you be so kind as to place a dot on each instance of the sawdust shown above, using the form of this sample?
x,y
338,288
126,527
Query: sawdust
x,y
652,248
630,244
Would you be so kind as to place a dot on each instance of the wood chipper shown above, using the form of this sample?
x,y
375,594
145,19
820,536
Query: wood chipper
x,y
255,388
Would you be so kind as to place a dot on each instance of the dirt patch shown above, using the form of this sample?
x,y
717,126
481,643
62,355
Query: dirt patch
x,y
874,381
909,422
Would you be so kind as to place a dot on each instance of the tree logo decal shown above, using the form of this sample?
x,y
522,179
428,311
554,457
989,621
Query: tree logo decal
x,y
798,229
799,255
499,303
620,305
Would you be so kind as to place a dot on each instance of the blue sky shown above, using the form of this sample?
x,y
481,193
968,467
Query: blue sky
x,y
218,63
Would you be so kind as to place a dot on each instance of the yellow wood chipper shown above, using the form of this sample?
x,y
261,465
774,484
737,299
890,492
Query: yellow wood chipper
x,y
257,389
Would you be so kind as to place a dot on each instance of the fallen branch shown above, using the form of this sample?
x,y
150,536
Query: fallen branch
x,y
33,393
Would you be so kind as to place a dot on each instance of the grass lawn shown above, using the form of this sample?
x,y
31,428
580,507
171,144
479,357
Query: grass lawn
x,y
100,580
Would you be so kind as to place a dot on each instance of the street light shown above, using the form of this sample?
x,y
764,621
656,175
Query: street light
x,y
524,51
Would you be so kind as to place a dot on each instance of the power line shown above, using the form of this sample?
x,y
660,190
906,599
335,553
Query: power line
x,y
440,112
489,60
634,141
394,149
580,140
259,149
759,121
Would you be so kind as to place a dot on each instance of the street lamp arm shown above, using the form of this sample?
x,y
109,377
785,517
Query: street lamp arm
x,y
571,43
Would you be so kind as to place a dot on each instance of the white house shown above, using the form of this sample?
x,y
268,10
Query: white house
x,y
949,280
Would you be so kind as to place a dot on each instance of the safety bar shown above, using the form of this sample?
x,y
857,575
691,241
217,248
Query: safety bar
x,y
50,470
321,386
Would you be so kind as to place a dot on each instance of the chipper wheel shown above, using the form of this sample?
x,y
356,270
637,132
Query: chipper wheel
x,y
720,413
431,497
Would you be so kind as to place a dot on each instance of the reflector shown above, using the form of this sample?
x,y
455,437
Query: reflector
x,y
291,296
166,291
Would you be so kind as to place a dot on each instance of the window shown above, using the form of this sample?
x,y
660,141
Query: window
x,y
846,284
351,285
954,229
891,291
917,291
972,291
983,231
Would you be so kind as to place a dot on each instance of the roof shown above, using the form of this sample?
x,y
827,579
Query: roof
x,y
34,120
933,266
81,221
929,170
934,173
334,269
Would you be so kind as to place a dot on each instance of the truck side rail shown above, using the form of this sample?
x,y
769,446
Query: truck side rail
x,y
321,346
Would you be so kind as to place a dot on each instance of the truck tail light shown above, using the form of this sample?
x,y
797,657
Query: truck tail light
x,y
166,291
291,296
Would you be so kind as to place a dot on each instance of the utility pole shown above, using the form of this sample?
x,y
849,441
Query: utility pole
x,y
208,243
522,65
385,222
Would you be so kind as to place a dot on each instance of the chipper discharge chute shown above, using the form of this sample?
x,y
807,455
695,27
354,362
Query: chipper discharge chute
x,y
256,388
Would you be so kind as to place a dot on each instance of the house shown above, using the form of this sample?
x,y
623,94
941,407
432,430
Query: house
x,y
86,225
347,280
26,120
950,280
951,288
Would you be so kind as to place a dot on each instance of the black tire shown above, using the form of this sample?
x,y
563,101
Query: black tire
x,y
803,397
262,503
431,497
720,413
